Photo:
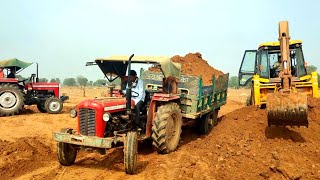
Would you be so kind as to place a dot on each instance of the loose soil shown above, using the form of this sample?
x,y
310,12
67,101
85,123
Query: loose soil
x,y
241,146
193,64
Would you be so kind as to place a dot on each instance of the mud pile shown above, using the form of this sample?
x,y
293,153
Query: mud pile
x,y
24,155
193,64
242,146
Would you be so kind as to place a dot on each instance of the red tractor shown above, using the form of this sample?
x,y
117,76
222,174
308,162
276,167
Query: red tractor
x,y
14,93
109,122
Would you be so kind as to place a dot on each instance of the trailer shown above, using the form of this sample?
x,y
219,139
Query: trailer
x,y
197,101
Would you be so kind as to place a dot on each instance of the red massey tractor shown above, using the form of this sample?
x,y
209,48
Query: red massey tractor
x,y
14,93
108,122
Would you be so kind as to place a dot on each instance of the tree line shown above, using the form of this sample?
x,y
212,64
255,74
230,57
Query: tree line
x,y
234,82
78,81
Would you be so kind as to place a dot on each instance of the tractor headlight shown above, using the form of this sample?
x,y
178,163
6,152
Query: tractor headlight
x,y
106,117
73,113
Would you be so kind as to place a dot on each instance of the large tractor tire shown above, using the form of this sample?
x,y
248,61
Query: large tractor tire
x,y
166,128
130,152
66,152
53,105
208,121
11,99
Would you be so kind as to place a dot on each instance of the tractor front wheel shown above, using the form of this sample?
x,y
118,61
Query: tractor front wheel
x,y
53,105
11,99
66,152
130,152
166,128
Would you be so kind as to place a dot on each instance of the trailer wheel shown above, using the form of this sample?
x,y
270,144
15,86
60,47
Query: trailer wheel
x,y
41,107
66,152
130,152
208,121
53,105
166,128
11,99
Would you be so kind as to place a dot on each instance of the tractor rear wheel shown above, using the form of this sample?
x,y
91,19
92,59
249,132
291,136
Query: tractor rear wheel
x,y
208,121
166,128
53,105
130,152
66,152
11,99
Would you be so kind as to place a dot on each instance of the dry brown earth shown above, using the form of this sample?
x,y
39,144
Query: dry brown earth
x,y
241,146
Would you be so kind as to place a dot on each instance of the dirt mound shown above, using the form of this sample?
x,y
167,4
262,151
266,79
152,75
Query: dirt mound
x,y
242,146
314,109
24,155
193,64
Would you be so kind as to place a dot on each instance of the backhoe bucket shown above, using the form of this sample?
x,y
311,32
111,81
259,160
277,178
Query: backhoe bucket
x,y
287,109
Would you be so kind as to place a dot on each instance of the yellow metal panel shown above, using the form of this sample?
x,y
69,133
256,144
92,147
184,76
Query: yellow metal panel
x,y
277,43
256,89
315,84
305,77
264,80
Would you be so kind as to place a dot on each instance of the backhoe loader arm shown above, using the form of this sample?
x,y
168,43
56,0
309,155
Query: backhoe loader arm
x,y
284,38
286,107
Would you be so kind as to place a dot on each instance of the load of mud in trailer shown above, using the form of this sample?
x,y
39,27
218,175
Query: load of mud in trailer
x,y
109,122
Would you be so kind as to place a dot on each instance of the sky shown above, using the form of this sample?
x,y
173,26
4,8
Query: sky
x,y
63,35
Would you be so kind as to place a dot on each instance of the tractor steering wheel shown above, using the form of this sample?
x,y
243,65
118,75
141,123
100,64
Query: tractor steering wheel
x,y
23,81
134,94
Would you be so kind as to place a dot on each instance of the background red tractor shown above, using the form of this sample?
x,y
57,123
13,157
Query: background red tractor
x,y
15,93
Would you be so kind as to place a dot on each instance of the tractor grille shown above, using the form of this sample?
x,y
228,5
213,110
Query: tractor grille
x,y
87,122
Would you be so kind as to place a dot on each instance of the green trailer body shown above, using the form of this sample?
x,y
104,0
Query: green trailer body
x,y
196,99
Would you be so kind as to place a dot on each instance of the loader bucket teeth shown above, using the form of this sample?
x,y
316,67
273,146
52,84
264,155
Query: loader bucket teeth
x,y
287,109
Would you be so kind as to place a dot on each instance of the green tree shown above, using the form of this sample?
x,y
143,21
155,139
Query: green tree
x,y
233,82
20,78
90,83
82,81
318,79
43,80
311,68
55,80
100,82
69,82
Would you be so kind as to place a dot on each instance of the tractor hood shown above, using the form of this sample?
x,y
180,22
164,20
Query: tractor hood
x,y
110,105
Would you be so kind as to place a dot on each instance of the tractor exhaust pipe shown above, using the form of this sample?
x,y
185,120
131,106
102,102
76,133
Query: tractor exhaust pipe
x,y
128,90
37,78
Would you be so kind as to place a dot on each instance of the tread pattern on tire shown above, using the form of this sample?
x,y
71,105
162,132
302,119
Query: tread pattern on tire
x,y
130,152
18,93
62,151
159,127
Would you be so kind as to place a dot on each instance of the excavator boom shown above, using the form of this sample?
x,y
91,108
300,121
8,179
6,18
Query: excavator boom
x,y
286,107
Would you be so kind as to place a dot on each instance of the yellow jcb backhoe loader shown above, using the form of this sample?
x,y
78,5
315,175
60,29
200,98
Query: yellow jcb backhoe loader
x,y
277,75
